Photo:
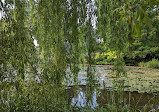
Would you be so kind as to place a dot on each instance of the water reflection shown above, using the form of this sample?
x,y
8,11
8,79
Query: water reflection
x,y
94,90
78,97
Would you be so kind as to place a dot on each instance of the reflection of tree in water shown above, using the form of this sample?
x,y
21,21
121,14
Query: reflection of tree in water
x,y
135,99
80,97
91,85
84,95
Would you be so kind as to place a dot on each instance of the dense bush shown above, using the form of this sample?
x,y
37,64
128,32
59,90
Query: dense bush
x,y
154,63
141,64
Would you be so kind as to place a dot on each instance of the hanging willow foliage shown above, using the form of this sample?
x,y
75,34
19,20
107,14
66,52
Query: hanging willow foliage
x,y
66,38
63,29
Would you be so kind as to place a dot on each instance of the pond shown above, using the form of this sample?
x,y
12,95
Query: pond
x,y
95,89
137,78
141,87
101,98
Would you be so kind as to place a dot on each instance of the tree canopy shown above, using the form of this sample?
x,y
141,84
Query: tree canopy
x,y
66,33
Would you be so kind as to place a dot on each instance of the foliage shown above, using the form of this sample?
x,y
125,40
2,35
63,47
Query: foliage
x,y
32,77
141,64
142,48
147,45
154,63
106,57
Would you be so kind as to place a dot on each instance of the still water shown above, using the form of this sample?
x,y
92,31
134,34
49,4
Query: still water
x,y
99,94
79,98
94,88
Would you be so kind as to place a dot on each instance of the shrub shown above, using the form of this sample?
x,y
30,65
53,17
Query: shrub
x,y
142,64
154,63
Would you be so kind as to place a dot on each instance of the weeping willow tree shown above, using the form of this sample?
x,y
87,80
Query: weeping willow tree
x,y
57,27
66,38
63,28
